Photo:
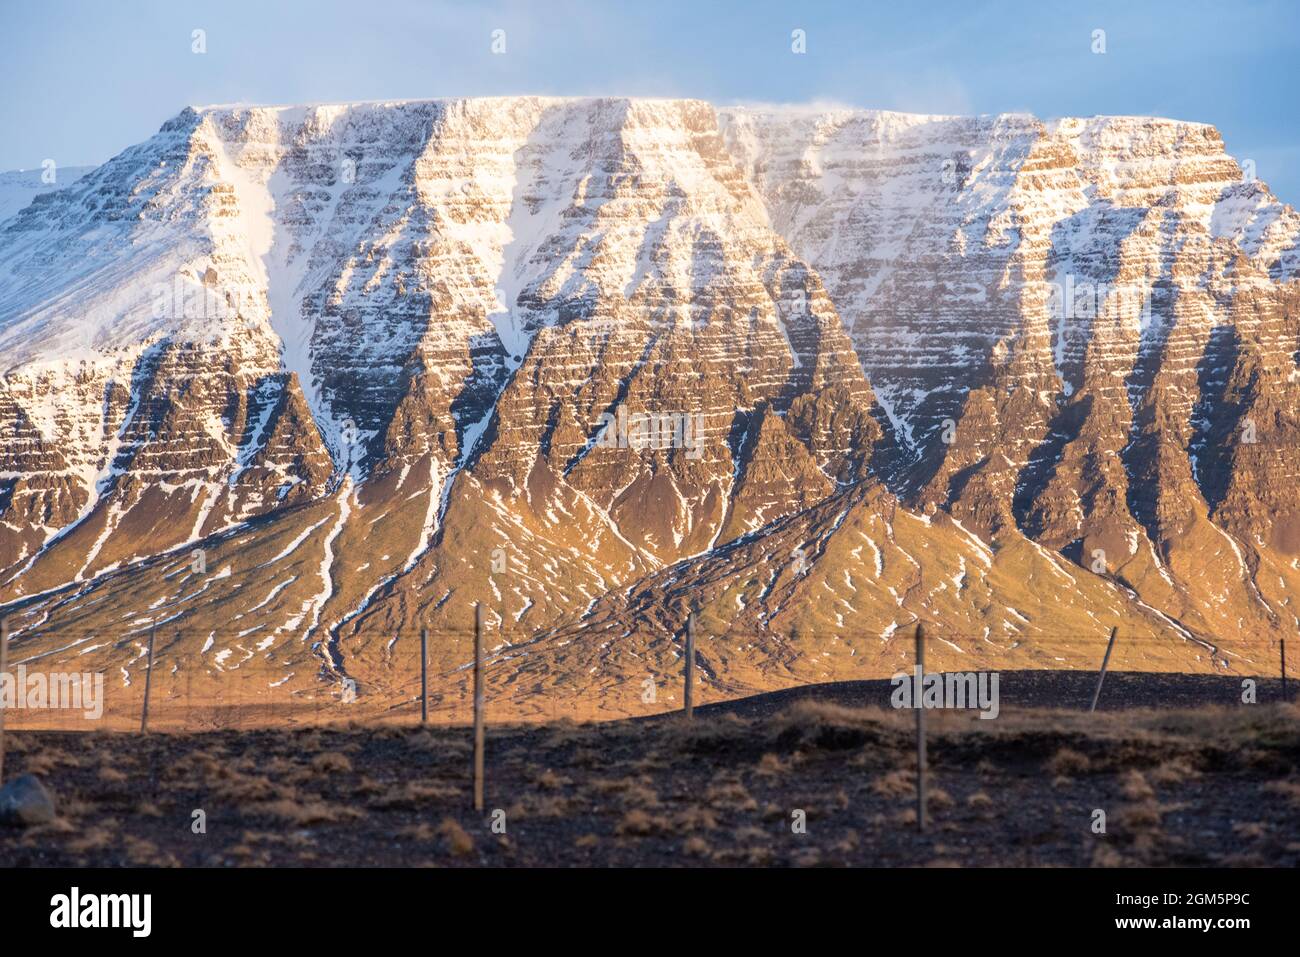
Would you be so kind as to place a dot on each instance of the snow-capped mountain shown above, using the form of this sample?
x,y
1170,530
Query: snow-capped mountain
x,y
818,374
18,187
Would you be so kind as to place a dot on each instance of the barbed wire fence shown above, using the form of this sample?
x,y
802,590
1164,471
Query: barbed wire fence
x,y
231,686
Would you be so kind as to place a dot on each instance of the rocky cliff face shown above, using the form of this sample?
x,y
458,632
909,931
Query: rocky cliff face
x,y
1060,320
292,383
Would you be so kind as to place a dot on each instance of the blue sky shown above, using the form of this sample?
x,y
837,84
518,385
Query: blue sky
x,y
83,80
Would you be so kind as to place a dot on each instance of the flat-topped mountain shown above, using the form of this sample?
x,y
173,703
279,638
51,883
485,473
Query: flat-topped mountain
x,y
287,384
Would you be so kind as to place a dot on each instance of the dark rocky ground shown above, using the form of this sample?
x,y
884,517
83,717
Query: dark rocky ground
x,y
1188,783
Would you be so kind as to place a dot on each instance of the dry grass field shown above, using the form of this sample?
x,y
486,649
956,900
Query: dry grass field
x,y
1206,785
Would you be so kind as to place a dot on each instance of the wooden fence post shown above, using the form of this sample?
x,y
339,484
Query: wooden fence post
x,y
1102,676
4,667
148,681
918,704
689,693
424,675
478,706
1285,696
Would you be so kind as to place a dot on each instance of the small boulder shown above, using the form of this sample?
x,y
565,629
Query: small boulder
x,y
24,802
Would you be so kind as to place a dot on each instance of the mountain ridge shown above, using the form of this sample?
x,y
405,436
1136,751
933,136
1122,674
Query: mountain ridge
x,y
394,337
